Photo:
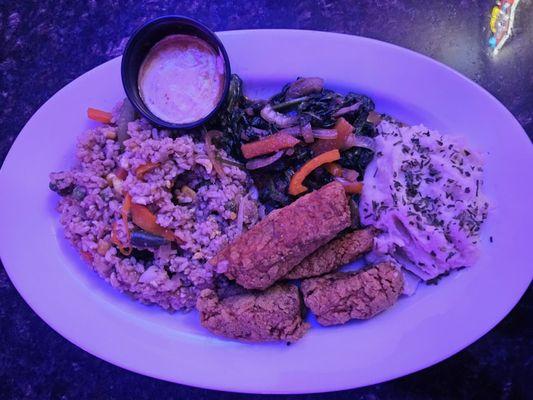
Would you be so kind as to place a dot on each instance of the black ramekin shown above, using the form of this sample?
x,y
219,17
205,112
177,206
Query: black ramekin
x,y
140,43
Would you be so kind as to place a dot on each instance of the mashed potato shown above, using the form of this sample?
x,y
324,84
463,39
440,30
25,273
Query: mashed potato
x,y
423,191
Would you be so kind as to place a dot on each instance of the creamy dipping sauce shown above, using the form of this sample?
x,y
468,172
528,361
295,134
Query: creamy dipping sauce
x,y
181,79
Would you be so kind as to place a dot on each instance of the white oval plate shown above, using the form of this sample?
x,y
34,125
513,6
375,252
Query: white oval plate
x,y
419,331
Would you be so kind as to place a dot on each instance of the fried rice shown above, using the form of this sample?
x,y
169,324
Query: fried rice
x,y
203,210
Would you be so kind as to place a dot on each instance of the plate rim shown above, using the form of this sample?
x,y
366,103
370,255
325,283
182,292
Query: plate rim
x,y
192,382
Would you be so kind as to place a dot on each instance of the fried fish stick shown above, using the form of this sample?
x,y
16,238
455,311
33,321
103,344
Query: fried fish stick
x,y
275,314
342,296
270,249
335,254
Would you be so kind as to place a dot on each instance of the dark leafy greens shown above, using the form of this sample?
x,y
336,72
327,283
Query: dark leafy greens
x,y
307,102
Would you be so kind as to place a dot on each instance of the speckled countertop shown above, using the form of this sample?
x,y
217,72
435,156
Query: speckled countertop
x,y
46,44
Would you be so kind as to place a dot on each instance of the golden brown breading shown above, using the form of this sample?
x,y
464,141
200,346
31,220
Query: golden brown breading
x,y
335,254
342,296
270,249
275,314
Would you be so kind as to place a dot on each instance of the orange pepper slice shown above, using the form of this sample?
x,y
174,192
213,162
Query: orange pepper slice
x,y
270,144
353,187
145,168
99,115
145,219
87,256
344,129
124,213
296,186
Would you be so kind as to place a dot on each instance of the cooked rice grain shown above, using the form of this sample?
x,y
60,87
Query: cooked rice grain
x,y
206,221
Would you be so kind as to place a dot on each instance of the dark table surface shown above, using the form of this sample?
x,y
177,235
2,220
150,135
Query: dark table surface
x,y
46,44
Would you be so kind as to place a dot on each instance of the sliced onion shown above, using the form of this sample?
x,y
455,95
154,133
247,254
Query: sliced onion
x,y
210,150
328,134
366,142
342,180
307,133
346,110
279,119
262,162
359,141
350,174
293,131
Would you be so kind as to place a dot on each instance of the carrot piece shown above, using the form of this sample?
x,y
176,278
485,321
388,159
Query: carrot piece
x,y
126,207
121,173
353,187
126,250
87,256
334,169
99,115
124,213
344,130
270,144
145,219
296,185
145,168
